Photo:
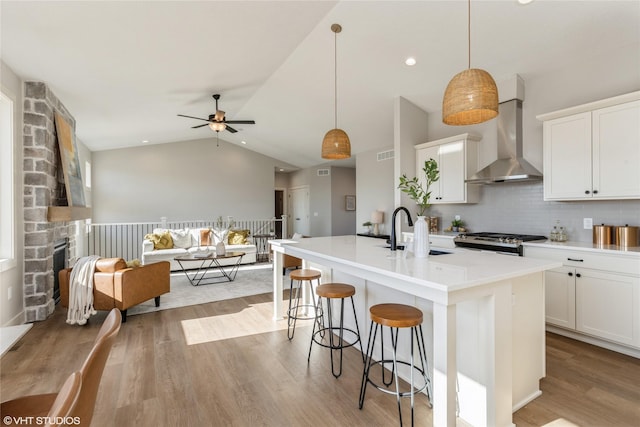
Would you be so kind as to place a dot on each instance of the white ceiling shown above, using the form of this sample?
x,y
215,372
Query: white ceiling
x,y
125,69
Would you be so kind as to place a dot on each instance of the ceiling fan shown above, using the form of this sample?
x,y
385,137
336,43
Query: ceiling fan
x,y
217,121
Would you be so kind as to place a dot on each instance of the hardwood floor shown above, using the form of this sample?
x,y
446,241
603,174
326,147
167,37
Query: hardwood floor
x,y
227,364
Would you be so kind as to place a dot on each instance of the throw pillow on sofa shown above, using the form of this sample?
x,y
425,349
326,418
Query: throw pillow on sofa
x,y
181,238
238,237
205,237
160,240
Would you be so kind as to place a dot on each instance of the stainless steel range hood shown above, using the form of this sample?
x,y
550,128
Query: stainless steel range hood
x,y
510,166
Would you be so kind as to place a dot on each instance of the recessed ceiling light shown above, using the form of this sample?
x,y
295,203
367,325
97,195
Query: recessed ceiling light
x,y
144,141
281,170
524,1
410,61
244,142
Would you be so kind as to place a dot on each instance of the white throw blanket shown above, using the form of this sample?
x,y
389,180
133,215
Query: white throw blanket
x,y
81,290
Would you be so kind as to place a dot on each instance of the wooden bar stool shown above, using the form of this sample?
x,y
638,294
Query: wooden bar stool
x,y
333,291
300,276
396,316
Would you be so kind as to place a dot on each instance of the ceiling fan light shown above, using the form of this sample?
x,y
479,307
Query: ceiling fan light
x,y
336,145
215,126
219,116
471,97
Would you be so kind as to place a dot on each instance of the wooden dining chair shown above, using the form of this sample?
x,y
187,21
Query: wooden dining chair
x,y
65,401
91,371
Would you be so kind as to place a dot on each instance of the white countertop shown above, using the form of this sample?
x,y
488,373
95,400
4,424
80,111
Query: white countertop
x,y
588,247
444,273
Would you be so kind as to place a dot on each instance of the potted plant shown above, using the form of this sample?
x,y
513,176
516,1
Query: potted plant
x,y
368,224
456,224
413,187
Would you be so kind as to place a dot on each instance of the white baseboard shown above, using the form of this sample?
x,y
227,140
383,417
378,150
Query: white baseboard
x,y
595,341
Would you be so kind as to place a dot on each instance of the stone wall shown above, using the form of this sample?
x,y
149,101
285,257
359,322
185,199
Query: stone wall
x,y
43,187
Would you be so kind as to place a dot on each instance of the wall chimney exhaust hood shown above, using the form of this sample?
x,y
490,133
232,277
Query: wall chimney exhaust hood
x,y
510,166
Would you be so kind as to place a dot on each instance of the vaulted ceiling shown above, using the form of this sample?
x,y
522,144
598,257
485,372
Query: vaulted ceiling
x,y
125,69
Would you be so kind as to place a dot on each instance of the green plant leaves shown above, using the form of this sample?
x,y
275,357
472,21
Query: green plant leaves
x,y
415,191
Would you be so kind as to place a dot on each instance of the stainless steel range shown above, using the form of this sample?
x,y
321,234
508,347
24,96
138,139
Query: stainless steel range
x,y
496,242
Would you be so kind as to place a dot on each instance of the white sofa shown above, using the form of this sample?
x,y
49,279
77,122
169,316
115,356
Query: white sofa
x,y
188,241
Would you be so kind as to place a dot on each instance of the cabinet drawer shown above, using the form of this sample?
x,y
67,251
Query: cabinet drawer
x,y
623,263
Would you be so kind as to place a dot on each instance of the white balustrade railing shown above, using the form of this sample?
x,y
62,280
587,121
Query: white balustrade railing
x,y
124,240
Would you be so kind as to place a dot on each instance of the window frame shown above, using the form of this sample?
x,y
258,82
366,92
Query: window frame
x,y
7,181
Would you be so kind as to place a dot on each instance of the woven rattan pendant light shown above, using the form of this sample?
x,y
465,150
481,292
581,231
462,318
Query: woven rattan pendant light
x,y
471,96
336,144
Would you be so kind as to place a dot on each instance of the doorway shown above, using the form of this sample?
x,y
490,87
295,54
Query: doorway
x,y
299,208
279,211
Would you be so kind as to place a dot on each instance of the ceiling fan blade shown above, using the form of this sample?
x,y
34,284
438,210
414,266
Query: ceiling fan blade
x,y
199,126
191,117
230,129
241,122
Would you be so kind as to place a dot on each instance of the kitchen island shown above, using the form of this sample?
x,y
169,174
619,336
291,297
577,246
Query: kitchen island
x,y
484,317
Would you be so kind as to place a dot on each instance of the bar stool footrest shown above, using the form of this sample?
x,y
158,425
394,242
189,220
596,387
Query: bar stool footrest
x,y
322,332
403,393
310,307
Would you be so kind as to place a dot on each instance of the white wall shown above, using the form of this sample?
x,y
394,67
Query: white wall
x,y
343,183
12,310
375,185
187,180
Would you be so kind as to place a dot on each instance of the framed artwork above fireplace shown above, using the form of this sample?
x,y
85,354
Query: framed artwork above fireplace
x,y
70,162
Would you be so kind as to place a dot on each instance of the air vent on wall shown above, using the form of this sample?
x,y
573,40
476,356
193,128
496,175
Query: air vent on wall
x,y
323,172
385,155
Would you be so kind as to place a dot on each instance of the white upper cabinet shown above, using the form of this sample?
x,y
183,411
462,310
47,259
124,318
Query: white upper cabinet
x,y
592,151
457,158
616,151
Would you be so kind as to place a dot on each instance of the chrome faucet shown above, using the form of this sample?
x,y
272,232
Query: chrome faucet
x,y
394,244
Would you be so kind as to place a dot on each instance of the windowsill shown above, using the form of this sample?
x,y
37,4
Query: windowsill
x,y
7,264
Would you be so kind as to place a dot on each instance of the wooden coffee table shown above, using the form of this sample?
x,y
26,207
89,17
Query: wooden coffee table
x,y
197,267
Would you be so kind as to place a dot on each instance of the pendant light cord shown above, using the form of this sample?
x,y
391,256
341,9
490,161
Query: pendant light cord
x,y
335,79
469,30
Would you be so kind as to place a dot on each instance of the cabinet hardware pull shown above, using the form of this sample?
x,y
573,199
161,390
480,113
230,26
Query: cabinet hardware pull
x,y
576,260
570,274
578,275
595,191
587,192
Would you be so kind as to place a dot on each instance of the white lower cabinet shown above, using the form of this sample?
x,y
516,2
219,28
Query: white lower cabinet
x,y
560,297
594,294
607,306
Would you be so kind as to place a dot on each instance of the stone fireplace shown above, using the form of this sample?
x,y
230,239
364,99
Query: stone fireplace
x,y
43,187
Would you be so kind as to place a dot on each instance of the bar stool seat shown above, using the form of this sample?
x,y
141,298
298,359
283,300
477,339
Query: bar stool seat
x,y
334,291
395,317
302,275
305,274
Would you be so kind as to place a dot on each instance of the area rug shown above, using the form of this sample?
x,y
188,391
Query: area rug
x,y
250,280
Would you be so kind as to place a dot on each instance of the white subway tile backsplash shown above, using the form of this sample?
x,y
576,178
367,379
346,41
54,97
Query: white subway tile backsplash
x,y
519,207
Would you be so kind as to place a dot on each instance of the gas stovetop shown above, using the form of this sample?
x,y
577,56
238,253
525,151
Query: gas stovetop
x,y
500,242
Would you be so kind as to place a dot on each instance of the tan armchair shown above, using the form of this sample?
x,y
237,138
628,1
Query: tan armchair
x,y
117,286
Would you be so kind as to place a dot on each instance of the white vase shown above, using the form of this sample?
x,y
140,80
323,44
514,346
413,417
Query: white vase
x,y
421,238
220,249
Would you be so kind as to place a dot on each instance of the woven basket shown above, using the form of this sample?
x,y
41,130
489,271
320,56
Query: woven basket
x,y
471,97
336,145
